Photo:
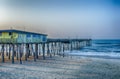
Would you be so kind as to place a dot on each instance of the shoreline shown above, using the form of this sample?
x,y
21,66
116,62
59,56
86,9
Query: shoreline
x,y
75,67
92,56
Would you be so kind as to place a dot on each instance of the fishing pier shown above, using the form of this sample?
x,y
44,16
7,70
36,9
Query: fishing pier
x,y
17,45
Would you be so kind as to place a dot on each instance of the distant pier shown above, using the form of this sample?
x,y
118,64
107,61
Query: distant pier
x,y
16,45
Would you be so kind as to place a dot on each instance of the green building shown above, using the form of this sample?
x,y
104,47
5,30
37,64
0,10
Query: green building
x,y
18,36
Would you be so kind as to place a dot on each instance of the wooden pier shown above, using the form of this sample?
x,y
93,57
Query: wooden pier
x,y
24,51
14,51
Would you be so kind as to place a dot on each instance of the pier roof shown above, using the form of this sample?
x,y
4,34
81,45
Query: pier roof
x,y
21,31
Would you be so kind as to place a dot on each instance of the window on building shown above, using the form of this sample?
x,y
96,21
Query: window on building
x,y
10,33
28,35
44,38
33,35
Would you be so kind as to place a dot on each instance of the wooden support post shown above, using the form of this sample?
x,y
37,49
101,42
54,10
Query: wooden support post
x,y
57,50
17,51
48,50
26,53
77,45
34,53
39,49
63,49
60,48
20,53
3,60
80,44
54,46
9,53
36,50
13,53
68,46
43,51
6,50
30,49
71,46
14,50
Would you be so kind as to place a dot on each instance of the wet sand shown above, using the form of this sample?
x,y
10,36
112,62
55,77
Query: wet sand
x,y
75,67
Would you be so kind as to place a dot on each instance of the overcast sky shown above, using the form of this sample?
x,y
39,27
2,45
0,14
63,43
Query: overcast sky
x,y
98,19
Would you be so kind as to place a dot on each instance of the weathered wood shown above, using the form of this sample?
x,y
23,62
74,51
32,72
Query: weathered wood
x,y
71,46
60,48
43,46
28,51
3,60
17,51
20,53
9,54
36,50
48,50
63,50
13,52
6,50
39,49
26,46
52,48
57,50
55,47
34,53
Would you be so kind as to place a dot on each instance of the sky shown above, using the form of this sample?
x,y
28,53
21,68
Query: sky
x,y
96,19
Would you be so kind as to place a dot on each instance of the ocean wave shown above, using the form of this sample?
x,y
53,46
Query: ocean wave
x,y
95,44
96,54
103,43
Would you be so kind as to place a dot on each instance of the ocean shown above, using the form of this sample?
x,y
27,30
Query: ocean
x,y
101,49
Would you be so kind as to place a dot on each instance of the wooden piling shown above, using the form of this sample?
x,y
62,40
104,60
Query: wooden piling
x,y
20,53
34,53
6,49
17,51
13,52
36,50
63,49
26,52
9,53
43,51
48,50
71,46
3,60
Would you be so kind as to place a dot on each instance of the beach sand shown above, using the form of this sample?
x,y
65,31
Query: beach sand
x,y
70,67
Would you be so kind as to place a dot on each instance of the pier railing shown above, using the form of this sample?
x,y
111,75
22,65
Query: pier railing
x,y
8,40
15,40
